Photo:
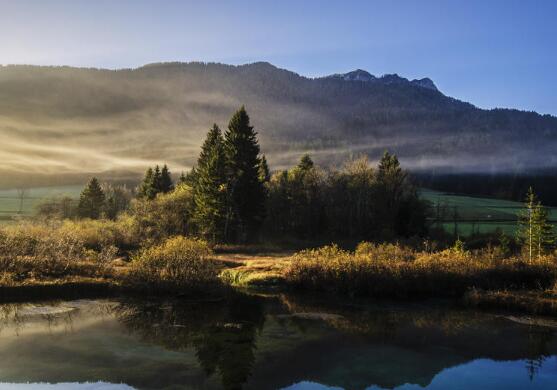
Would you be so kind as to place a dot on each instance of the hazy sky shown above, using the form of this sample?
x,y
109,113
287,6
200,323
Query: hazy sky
x,y
491,53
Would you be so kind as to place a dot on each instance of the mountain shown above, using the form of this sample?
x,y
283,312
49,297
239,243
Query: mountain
x,y
363,76
65,123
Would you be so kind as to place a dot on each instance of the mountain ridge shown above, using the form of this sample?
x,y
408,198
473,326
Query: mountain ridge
x,y
68,121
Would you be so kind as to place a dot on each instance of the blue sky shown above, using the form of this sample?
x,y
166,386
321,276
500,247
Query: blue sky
x,y
491,53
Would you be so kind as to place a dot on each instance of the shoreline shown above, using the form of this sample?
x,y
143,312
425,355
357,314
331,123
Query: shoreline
x,y
523,302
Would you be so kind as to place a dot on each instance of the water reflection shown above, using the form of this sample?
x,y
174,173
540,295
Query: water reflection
x,y
253,342
223,335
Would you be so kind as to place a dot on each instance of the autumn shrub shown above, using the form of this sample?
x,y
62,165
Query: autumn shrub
x,y
101,233
178,263
37,252
388,271
49,250
384,252
152,221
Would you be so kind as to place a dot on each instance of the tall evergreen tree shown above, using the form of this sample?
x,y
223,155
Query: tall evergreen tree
x,y
546,234
166,180
157,180
534,231
398,201
526,224
147,188
91,200
264,172
246,192
209,189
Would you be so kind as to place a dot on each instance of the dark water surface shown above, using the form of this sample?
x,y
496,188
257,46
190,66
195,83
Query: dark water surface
x,y
256,342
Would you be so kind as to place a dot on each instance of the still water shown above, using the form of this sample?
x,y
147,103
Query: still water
x,y
274,342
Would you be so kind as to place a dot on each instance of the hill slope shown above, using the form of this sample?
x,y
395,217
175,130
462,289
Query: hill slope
x,y
74,121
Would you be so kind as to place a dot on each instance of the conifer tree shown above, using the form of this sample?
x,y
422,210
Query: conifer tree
x,y
166,180
526,222
534,231
191,177
157,180
306,163
209,189
545,232
182,179
245,190
91,200
391,178
264,172
147,188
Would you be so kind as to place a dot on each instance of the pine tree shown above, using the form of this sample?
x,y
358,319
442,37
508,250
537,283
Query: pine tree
x,y
391,179
306,163
526,229
209,189
91,200
544,237
535,232
264,172
246,192
182,179
166,180
147,188
157,180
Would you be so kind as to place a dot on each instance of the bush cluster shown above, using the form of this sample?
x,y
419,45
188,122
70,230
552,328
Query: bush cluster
x,y
42,251
393,271
177,263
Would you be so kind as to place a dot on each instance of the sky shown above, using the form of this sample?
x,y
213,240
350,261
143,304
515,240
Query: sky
x,y
490,53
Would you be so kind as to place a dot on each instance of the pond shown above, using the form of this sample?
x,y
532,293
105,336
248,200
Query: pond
x,y
270,342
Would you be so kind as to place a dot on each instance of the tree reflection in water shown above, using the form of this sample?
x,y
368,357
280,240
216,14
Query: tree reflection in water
x,y
222,333
349,345
538,351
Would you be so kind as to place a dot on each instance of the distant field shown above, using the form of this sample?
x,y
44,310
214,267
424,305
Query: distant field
x,y
471,214
11,204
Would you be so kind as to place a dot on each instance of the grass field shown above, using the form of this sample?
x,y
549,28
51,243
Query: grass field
x,y
11,204
469,214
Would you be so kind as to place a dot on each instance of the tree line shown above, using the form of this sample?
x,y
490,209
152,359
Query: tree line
x,y
231,196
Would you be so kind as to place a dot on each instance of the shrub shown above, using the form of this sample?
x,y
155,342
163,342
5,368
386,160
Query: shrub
x,y
384,252
97,234
151,221
28,251
176,264
55,250
387,270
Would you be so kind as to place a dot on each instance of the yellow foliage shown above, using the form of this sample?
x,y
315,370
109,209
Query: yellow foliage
x,y
177,263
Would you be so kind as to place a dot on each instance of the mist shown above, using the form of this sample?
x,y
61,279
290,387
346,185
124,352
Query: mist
x,y
71,123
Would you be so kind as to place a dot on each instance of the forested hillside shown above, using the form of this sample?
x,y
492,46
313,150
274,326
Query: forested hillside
x,y
72,122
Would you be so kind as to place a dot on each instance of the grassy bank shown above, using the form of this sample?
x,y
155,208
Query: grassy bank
x,y
393,271
100,255
105,257
537,302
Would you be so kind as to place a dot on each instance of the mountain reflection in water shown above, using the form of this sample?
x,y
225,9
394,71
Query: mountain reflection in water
x,y
255,342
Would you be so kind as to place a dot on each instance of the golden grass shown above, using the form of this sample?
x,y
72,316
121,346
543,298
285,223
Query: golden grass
x,y
398,272
179,263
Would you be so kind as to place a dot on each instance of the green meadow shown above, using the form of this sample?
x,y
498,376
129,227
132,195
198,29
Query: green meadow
x,y
468,214
12,205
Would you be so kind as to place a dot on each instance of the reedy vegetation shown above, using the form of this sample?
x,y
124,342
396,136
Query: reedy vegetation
x,y
175,264
394,271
